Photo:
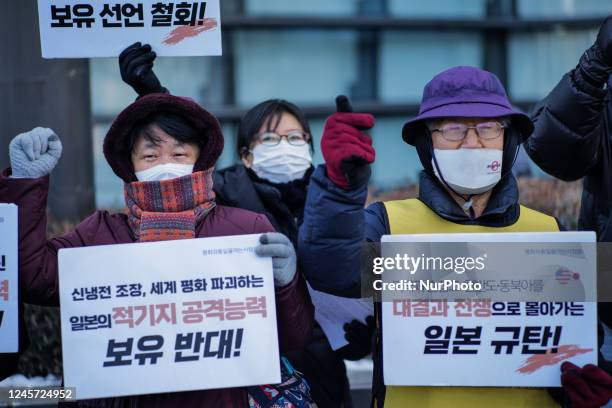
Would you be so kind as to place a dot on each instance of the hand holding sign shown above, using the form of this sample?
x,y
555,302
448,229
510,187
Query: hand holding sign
x,y
136,67
35,153
283,256
589,386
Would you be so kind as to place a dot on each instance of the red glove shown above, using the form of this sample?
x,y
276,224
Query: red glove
x,y
586,387
347,150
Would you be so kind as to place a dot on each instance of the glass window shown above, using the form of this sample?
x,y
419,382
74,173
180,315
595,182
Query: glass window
x,y
109,94
537,61
304,67
397,163
185,76
411,59
558,8
437,8
229,156
310,7
109,187
316,128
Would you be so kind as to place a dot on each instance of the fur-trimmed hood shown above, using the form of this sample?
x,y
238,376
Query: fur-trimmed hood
x,y
205,123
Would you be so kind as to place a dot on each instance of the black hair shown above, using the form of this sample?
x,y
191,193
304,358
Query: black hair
x,y
174,125
269,113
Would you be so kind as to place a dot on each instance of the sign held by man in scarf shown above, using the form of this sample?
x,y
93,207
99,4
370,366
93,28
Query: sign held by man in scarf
x,y
9,329
168,316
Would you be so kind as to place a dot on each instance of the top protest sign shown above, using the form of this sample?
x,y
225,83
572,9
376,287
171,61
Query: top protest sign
x,y
85,29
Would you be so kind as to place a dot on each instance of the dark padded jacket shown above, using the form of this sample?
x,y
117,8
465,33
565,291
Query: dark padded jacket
x,y
237,186
573,139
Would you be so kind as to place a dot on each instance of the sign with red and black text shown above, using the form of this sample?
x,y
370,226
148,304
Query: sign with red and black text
x,y
501,310
167,316
103,28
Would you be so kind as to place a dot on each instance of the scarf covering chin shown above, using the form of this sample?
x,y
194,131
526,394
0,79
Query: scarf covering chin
x,y
169,209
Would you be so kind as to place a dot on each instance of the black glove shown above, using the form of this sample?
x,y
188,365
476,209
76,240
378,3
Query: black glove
x,y
136,66
360,338
604,40
595,65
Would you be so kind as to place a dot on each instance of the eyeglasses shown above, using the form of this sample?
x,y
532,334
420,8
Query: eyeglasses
x,y
294,138
457,132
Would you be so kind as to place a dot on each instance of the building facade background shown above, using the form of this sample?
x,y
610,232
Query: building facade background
x,y
380,53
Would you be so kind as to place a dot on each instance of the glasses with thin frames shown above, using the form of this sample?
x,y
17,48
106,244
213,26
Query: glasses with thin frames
x,y
457,132
294,137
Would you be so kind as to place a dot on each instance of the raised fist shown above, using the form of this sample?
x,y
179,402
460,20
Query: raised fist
x,y
35,153
136,67
346,148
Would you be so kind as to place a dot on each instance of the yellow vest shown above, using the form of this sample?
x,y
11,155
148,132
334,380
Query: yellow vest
x,y
413,217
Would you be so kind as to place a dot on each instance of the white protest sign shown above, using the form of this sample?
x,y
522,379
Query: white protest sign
x,y
9,302
484,342
103,28
167,316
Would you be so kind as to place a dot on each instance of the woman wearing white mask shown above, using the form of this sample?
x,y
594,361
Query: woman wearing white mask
x,y
164,149
275,147
276,151
274,144
276,162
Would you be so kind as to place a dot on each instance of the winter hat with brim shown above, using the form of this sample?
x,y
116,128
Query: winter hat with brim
x,y
467,92
206,125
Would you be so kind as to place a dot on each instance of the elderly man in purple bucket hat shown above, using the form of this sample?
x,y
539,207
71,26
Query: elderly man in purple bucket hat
x,y
467,137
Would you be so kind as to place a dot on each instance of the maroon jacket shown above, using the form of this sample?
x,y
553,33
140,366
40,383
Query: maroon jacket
x,y
38,276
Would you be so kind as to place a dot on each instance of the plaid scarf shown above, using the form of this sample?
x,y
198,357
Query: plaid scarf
x,y
169,209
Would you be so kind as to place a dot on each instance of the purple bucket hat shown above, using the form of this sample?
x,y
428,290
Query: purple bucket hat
x,y
465,92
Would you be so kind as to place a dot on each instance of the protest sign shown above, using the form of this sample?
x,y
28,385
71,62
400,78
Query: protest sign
x,y
484,341
9,329
86,29
167,316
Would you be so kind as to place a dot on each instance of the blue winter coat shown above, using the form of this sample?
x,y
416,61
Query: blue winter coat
x,y
335,226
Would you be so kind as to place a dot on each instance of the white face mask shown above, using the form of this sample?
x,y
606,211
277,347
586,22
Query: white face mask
x,y
469,171
164,172
281,163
